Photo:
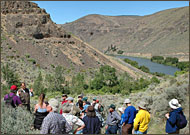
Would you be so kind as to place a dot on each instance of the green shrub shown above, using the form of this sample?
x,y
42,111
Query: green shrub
x,y
155,80
133,63
120,52
156,58
16,121
144,69
179,73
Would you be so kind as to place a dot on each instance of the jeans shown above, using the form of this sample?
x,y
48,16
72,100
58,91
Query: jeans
x,y
112,130
138,132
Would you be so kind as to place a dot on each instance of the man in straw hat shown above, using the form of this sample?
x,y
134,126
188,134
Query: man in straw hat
x,y
54,123
129,116
142,119
172,125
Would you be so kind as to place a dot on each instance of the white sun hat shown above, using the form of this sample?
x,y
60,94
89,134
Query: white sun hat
x,y
127,101
174,104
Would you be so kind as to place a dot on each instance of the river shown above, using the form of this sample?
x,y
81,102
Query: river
x,y
154,67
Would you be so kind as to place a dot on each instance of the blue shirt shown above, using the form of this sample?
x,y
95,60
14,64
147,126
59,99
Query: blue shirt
x,y
129,115
171,122
122,118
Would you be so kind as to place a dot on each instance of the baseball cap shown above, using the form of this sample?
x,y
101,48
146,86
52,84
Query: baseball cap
x,y
13,87
112,106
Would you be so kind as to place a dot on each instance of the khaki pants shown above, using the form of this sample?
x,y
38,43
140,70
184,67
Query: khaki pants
x,y
127,129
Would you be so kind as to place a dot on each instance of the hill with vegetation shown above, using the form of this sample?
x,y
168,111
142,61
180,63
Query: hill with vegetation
x,y
165,33
32,42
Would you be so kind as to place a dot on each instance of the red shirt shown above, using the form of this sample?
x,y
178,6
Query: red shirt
x,y
63,102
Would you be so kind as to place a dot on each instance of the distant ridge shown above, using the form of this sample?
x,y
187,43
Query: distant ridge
x,y
163,33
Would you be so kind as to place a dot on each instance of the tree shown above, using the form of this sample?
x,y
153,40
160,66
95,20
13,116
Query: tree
x,y
106,76
38,85
78,84
10,76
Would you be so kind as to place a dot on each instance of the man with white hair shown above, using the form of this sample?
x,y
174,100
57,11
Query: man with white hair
x,y
54,123
129,116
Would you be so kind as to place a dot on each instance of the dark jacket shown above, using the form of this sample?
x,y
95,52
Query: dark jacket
x,y
171,122
92,125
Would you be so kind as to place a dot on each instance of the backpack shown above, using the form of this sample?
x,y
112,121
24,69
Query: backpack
x,y
9,101
181,120
101,108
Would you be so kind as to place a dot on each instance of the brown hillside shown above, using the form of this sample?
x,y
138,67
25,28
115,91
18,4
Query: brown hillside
x,y
28,32
164,33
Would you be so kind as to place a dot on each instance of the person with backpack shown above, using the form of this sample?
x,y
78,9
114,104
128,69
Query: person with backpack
x,y
176,119
112,121
24,94
12,99
129,116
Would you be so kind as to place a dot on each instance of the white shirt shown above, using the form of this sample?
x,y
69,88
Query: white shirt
x,y
72,120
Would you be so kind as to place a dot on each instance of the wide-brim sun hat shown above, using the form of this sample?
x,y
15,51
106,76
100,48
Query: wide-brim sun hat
x,y
127,101
174,104
54,103
142,105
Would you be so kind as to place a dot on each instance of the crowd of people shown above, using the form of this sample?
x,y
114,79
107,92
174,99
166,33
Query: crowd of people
x,y
84,117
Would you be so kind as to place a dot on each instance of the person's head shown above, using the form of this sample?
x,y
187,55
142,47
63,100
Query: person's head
x,y
80,103
94,101
14,88
80,97
142,105
41,99
23,85
174,104
64,96
85,99
66,108
90,111
54,104
127,102
112,108
70,99
46,102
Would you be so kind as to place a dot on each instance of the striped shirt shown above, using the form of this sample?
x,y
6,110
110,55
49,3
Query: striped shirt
x,y
55,123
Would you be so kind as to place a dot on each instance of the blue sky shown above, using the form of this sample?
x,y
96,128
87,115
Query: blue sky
x,y
68,11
